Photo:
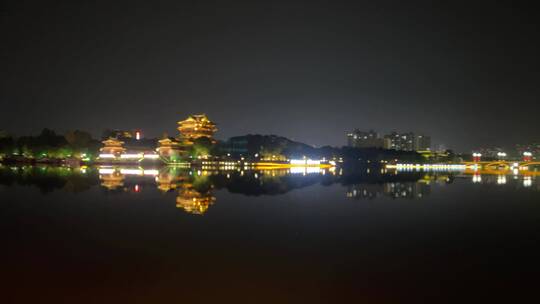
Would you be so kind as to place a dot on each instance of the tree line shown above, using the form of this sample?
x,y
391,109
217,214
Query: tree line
x,y
49,144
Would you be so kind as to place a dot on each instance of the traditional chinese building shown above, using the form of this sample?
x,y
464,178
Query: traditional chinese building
x,y
169,148
196,126
112,146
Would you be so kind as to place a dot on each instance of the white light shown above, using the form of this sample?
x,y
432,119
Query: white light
x,y
132,171
297,162
130,156
106,171
305,162
434,167
304,170
107,156
151,156
527,154
151,172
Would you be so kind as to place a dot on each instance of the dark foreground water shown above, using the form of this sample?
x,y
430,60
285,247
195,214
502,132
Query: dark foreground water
x,y
163,236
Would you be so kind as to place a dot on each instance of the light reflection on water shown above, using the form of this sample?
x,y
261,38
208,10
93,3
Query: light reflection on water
x,y
267,230
195,188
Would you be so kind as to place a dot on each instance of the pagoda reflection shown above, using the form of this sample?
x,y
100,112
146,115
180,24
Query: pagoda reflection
x,y
112,180
194,190
170,179
194,201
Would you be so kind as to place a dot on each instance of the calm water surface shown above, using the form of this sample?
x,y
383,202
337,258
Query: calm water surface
x,y
128,235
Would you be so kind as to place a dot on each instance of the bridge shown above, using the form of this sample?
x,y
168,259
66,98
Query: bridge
x,y
502,164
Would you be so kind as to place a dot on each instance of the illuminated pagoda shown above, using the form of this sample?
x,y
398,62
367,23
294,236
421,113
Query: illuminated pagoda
x,y
169,148
193,201
196,126
112,147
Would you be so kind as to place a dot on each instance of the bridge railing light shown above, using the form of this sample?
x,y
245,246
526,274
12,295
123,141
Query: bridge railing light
x,y
106,156
151,156
127,156
132,171
106,171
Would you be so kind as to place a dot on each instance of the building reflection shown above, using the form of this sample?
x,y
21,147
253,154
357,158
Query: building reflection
x,y
395,190
194,201
169,180
195,188
112,180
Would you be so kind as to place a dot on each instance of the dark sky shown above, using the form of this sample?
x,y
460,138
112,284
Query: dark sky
x,y
467,75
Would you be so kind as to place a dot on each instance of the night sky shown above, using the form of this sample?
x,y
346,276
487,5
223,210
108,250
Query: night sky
x,y
467,75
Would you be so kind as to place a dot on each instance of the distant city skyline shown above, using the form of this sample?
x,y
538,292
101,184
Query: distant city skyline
x,y
224,134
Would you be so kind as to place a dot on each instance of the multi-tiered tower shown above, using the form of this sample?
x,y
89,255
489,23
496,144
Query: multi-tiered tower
x,y
196,126
112,147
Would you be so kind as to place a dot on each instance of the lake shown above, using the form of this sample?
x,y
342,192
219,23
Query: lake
x,y
132,235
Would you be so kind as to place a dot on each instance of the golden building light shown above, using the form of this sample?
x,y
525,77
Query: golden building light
x,y
112,180
193,201
112,147
196,126
168,147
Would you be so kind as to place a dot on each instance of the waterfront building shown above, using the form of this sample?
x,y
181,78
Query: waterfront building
x,y
400,141
196,126
169,148
361,139
396,141
408,141
112,146
422,143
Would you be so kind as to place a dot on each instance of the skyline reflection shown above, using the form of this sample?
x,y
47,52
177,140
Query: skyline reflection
x,y
195,189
